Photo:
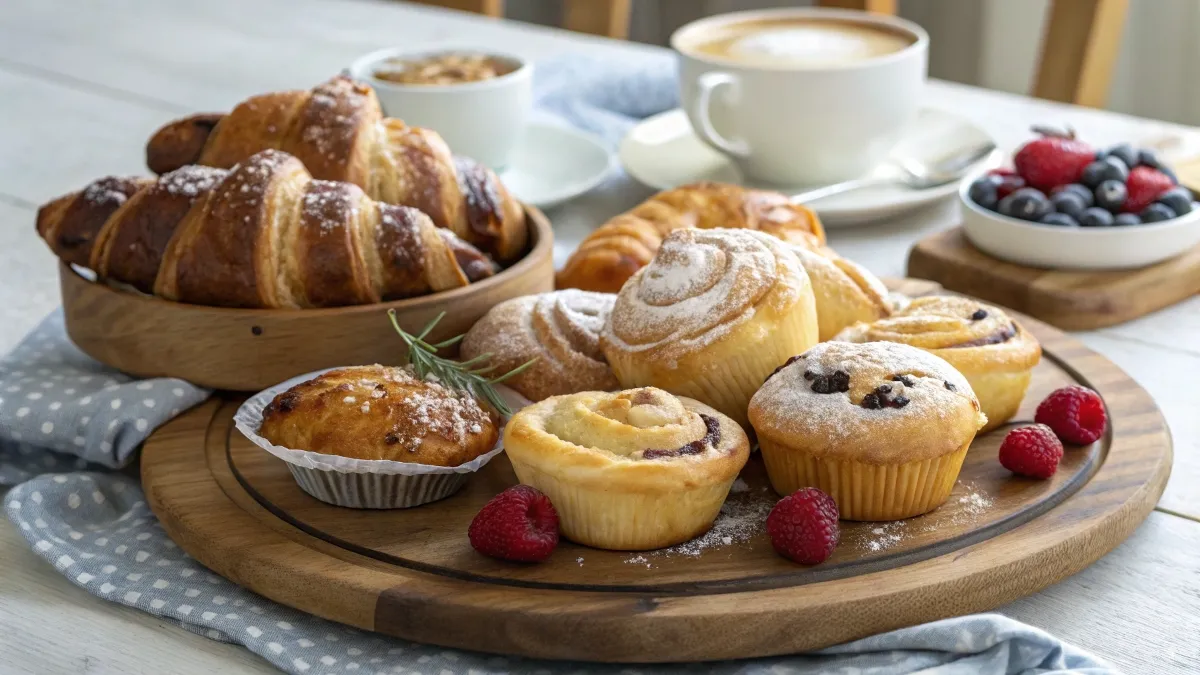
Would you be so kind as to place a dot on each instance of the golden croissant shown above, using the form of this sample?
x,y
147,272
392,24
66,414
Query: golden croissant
x,y
339,132
628,242
263,234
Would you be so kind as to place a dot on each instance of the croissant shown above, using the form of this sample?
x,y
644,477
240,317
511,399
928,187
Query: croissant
x,y
339,132
263,234
628,242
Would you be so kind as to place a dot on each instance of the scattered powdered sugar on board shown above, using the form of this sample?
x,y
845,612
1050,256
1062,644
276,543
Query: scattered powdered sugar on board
x,y
739,486
579,560
974,502
742,517
884,536
638,560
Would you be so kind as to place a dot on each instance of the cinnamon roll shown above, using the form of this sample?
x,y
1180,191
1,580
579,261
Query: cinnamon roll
x,y
713,314
845,292
633,470
882,427
560,329
992,350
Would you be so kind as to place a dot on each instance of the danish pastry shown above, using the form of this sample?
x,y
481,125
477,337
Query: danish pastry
x,y
633,470
560,329
711,316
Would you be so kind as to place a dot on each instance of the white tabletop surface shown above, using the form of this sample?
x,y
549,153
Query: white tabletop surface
x,y
82,84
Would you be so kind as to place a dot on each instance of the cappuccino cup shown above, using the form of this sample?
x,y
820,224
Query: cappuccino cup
x,y
802,96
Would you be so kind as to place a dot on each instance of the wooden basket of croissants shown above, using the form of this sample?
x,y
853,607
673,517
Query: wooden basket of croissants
x,y
276,238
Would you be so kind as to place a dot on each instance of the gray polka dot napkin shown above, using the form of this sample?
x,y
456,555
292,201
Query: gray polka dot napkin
x,y
62,413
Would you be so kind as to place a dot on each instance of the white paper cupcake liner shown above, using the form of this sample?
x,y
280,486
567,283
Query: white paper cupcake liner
x,y
362,483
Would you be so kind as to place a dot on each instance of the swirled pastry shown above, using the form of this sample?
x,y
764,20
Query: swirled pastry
x,y
711,316
378,412
633,470
560,329
627,243
882,427
994,352
845,292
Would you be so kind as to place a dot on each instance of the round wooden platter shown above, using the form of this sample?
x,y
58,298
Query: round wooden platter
x,y
412,573
252,349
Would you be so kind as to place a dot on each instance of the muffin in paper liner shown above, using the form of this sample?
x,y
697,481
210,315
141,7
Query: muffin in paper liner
x,y
363,483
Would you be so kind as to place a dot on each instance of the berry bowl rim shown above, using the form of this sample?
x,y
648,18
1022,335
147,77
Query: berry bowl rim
x,y
1036,245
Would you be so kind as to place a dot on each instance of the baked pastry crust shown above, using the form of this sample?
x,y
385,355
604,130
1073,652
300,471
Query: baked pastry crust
x,y
882,427
560,329
846,293
378,412
632,470
995,353
713,314
619,248
338,131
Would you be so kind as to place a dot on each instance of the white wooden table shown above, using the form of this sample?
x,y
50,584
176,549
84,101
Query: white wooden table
x,y
82,84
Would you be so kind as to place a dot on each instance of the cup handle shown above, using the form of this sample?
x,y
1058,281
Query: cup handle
x,y
707,84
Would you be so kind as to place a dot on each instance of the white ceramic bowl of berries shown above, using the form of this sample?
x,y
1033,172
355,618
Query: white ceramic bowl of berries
x,y
1067,205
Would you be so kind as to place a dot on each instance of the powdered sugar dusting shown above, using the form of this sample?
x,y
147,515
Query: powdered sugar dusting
x,y
787,404
742,517
700,285
193,180
105,192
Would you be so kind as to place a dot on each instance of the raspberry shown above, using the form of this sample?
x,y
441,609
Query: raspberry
x,y
804,526
1076,414
1032,451
518,524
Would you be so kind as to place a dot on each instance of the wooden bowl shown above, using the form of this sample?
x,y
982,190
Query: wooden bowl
x,y
252,349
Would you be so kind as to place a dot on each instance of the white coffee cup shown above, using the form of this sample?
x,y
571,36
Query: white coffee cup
x,y
482,119
802,123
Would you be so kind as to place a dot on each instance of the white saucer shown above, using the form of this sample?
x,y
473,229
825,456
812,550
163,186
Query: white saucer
x,y
552,164
663,152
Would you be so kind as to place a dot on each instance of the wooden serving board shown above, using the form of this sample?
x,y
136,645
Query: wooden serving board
x,y
1070,300
412,573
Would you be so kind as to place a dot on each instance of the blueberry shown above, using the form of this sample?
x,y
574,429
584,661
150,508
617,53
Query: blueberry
x,y
1096,217
1026,204
1109,168
1177,199
1068,202
1059,219
1084,192
1156,213
1111,195
1126,153
1146,157
983,192
1126,219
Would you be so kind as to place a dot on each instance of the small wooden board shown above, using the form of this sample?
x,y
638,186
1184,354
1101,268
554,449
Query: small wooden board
x,y
412,573
1067,299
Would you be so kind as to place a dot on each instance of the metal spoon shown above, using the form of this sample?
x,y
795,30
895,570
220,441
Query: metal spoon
x,y
908,172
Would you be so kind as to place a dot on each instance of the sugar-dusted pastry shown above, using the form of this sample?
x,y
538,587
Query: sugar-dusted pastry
x,y
882,427
846,292
378,412
337,129
625,244
633,470
263,234
992,350
560,329
711,316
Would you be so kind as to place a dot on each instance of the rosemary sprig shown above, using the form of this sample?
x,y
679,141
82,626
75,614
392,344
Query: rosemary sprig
x,y
468,376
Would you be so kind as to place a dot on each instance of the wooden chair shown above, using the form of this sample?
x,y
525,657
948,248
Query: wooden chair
x,y
1079,47
597,17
